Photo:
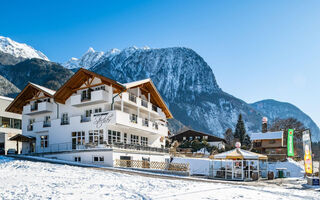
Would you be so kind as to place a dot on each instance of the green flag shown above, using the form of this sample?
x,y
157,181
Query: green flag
x,y
290,143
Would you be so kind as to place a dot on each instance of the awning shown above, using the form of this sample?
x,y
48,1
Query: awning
x,y
240,154
22,138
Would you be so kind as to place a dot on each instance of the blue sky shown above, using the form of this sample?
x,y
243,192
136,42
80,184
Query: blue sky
x,y
257,49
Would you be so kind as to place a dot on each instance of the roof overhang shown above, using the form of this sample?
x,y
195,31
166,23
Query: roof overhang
x,y
28,93
78,79
22,138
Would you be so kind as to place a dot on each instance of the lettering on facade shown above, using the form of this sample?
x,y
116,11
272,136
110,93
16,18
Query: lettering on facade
x,y
102,118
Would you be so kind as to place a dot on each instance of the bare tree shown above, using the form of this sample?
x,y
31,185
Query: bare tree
x,y
290,123
228,136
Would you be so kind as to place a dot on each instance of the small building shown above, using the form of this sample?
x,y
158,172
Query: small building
x,y
10,125
190,135
271,144
239,164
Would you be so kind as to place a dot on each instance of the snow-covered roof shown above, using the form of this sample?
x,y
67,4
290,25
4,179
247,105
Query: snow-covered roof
x,y
6,98
135,83
267,135
47,90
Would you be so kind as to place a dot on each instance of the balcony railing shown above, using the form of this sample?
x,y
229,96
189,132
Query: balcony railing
x,y
46,124
132,98
85,98
85,119
144,103
69,147
65,122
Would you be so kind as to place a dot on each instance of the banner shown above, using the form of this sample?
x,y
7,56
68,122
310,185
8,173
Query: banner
x,y
290,143
307,151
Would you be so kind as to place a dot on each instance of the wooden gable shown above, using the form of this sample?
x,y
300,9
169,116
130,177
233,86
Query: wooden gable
x,y
83,79
30,93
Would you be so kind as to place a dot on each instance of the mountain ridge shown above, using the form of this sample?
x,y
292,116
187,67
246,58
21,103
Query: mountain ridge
x,y
183,78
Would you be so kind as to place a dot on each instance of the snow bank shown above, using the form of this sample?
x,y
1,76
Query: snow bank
x,y
198,166
21,179
296,169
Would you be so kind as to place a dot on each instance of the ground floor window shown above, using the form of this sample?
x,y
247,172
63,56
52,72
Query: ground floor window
x,y
114,137
44,141
96,137
98,158
144,141
134,139
78,138
77,159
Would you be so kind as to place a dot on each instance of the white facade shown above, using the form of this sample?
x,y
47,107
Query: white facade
x,y
10,125
89,125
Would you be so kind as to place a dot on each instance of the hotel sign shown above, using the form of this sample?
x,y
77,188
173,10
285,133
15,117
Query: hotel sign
x,y
290,148
100,119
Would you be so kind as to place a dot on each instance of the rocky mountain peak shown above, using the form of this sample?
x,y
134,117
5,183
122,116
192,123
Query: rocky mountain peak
x,y
19,50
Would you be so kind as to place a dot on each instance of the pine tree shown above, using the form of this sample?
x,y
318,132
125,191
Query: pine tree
x,y
240,131
247,140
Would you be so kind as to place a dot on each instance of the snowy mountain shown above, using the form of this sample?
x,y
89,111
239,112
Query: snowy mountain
x,y
186,83
89,59
19,50
7,88
274,109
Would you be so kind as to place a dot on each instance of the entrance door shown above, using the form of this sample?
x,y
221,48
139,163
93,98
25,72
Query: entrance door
x,y
237,169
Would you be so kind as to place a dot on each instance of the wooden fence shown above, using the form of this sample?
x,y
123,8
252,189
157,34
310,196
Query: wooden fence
x,y
181,167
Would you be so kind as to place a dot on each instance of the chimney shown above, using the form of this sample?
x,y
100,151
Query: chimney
x,y
264,124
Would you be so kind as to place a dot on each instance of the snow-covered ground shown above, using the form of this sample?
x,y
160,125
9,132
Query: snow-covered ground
x,y
36,180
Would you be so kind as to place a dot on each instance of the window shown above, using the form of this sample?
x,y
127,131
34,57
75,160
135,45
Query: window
x,y
272,141
145,122
64,119
78,138
86,95
184,138
98,158
144,141
5,122
100,88
88,113
96,137
30,126
77,159
17,123
134,139
114,137
125,138
98,110
134,118
205,137
190,138
47,121
10,123
44,141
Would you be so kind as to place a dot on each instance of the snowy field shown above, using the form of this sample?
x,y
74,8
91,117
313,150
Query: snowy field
x,y
36,180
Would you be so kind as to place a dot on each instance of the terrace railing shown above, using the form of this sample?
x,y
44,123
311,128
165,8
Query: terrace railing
x,y
68,146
